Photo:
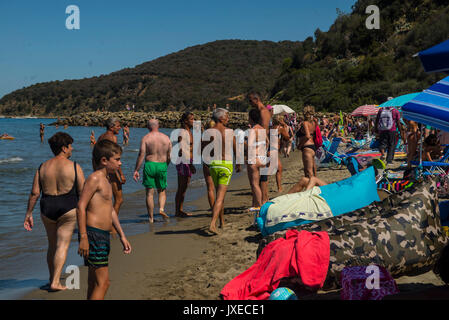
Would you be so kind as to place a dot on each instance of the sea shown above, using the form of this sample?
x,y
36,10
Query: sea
x,y
23,264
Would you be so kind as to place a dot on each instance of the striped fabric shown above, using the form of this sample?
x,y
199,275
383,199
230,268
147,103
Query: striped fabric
x,y
395,186
431,107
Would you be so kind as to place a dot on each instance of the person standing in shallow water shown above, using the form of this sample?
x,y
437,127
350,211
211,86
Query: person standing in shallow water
x,y
155,148
41,132
117,179
60,181
185,170
126,135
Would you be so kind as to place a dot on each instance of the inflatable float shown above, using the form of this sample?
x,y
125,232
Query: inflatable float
x,y
7,138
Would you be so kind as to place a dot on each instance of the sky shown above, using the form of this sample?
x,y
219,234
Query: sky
x,y
36,46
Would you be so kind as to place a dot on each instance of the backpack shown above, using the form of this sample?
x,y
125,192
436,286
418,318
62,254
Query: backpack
x,y
385,120
318,138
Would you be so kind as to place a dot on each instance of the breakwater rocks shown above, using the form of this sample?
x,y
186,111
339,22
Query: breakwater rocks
x,y
169,119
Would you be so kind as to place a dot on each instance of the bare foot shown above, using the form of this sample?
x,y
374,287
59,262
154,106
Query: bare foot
x,y
213,230
151,220
183,214
280,189
57,287
163,214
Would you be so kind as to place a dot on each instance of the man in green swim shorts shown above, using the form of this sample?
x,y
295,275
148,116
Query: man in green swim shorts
x,y
155,148
221,169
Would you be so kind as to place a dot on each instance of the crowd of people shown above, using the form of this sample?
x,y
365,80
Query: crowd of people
x,y
93,204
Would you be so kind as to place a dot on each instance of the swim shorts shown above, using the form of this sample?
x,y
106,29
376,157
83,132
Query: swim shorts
x,y
183,169
155,175
99,247
221,171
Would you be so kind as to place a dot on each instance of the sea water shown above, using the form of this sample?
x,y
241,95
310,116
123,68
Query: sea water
x,y
23,264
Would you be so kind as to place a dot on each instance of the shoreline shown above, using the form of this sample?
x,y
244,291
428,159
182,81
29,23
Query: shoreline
x,y
184,262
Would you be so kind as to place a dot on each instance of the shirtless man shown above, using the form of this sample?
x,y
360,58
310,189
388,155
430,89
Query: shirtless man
x,y
221,170
185,170
155,148
255,101
126,135
117,179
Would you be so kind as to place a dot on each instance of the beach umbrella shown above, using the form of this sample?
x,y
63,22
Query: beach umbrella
x,y
281,108
430,107
365,111
436,58
399,101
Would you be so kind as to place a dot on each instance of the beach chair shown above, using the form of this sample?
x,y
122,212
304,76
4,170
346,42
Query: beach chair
x,y
329,156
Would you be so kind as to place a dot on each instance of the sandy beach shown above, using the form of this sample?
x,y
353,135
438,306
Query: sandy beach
x,y
184,262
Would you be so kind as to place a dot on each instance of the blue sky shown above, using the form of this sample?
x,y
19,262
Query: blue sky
x,y
37,47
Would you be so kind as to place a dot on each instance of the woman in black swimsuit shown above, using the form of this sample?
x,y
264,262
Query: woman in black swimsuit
x,y
60,181
306,143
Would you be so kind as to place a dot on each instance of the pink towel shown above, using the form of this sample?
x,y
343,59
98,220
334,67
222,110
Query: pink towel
x,y
304,254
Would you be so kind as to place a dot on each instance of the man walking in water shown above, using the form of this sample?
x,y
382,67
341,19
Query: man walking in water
x,y
221,168
41,132
155,148
117,179
185,170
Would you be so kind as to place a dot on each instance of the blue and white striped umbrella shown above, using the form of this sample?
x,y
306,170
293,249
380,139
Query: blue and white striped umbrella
x,y
431,107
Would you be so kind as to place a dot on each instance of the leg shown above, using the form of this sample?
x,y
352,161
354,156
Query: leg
x,y
183,183
307,158
209,185
300,186
162,199
279,176
65,226
150,203
102,283
218,207
50,228
264,189
254,178
315,182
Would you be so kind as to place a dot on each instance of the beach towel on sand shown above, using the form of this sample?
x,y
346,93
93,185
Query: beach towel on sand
x,y
304,254
307,205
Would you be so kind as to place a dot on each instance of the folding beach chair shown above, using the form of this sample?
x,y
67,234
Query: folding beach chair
x,y
329,156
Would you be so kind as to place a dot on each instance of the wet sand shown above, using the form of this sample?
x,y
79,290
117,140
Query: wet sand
x,y
183,261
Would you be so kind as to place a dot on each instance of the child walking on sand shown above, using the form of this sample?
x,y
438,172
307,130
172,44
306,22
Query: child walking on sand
x,y
96,216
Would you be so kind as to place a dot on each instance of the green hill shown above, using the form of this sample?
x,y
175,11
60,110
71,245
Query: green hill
x,y
217,72
349,65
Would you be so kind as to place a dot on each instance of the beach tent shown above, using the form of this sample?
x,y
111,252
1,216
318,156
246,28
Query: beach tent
x,y
431,107
281,108
436,58
399,101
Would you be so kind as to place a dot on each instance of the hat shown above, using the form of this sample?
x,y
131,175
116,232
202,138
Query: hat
x,y
269,107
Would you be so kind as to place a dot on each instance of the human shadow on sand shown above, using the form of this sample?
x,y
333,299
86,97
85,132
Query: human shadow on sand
x,y
199,231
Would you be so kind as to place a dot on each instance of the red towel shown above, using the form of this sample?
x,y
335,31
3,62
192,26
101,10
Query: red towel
x,y
304,254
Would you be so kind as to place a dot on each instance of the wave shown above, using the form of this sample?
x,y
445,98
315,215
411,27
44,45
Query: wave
x,y
11,160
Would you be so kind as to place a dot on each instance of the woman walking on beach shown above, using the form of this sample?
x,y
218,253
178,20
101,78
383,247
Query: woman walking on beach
x,y
257,150
306,144
60,181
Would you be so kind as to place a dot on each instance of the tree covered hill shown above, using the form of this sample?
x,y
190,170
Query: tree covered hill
x,y
196,77
350,65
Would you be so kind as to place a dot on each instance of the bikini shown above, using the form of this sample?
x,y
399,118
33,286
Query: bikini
x,y
301,134
54,207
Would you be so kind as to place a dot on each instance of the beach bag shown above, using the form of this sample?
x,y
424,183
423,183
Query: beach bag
x,y
318,138
385,120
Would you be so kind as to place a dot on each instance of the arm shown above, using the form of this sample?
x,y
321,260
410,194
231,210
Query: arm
x,y
118,228
234,148
169,152
81,179
139,161
89,190
34,196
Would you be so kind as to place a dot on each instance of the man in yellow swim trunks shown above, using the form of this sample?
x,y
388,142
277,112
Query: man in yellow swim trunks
x,y
155,148
221,170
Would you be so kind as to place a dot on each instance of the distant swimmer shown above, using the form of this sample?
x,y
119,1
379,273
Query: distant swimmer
x,y
59,182
66,126
155,148
126,135
221,169
92,138
185,170
117,179
6,136
41,132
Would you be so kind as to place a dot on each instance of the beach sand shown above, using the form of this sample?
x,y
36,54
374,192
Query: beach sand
x,y
183,261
